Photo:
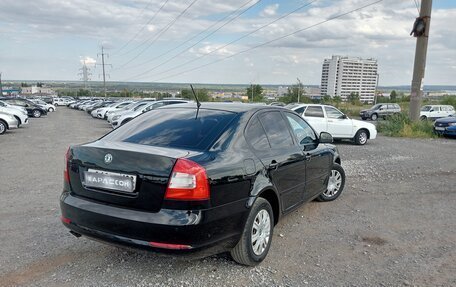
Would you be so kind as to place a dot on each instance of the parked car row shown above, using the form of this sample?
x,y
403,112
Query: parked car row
x,y
118,113
15,112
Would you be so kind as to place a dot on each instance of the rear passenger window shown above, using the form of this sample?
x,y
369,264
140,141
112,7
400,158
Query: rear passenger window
x,y
276,130
314,112
256,135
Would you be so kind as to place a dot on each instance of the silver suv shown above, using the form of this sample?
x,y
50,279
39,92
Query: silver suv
x,y
380,110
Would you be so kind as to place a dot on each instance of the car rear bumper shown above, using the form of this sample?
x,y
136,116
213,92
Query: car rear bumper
x,y
197,232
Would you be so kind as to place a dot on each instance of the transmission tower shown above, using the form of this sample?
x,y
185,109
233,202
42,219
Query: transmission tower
x,y
85,74
103,64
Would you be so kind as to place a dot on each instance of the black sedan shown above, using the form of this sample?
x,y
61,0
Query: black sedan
x,y
33,110
186,180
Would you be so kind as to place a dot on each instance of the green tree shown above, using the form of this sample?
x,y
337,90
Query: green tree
x,y
337,100
295,93
256,91
83,93
353,98
393,96
202,94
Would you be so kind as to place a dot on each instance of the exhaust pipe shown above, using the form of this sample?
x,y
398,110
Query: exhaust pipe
x,y
75,234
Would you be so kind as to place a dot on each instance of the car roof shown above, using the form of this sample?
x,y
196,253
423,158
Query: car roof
x,y
230,107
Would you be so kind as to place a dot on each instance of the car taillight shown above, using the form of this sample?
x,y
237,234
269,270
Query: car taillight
x,y
66,173
188,181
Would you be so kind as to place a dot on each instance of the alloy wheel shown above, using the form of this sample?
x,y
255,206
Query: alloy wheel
x,y
362,138
2,128
261,230
334,183
36,114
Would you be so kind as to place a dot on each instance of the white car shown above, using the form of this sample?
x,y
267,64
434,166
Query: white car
x,y
20,116
44,105
114,115
123,118
62,101
102,112
7,122
324,118
433,112
6,105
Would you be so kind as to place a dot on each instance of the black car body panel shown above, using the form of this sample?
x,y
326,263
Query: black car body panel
x,y
238,173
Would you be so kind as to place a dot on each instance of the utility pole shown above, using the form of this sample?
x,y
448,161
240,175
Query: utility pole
x,y
299,90
103,64
376,89
421,31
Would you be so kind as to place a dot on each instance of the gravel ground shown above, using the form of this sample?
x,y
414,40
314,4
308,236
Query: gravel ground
x,y
393,226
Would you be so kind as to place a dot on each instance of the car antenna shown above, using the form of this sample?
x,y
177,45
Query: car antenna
x,y
198,104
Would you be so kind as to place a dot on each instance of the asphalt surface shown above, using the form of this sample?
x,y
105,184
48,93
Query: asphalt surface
x,y
395,224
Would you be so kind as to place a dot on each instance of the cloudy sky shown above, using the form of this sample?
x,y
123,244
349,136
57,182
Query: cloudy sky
x,y
211,41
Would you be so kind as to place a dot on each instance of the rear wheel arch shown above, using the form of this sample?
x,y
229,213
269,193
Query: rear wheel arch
x,y
273,200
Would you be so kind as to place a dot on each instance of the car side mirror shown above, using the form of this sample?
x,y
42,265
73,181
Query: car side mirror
x,y
343,117
431,111
326,137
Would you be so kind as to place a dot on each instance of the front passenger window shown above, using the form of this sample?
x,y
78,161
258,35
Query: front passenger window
x,y
303,132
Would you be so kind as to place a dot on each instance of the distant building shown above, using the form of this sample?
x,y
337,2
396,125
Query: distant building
x,y
342,76
282,91
37,90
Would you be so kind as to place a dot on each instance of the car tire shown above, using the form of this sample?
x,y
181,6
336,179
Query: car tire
x,y
374,117
361,137
259,226
36,113
423,118
336,184
51,110
3,127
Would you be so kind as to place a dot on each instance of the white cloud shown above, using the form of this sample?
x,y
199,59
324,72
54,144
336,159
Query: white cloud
x,y
89,61
270,10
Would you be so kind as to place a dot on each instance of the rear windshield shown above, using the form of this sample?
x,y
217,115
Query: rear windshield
x,y
175,128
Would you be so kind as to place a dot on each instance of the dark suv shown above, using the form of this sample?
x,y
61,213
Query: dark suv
x,y
380,110
33,110
181,179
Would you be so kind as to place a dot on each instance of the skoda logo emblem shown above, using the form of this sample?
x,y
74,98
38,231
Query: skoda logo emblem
x,y
108,158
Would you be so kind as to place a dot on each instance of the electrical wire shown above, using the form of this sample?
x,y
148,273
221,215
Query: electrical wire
x,y
166,28
144,26
199,34
232,42
271,41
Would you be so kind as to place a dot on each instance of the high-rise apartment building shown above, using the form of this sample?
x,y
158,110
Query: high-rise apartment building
x,y
342,76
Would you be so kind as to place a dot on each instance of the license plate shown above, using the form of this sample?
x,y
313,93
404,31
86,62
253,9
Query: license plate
x,y
439,129
109,180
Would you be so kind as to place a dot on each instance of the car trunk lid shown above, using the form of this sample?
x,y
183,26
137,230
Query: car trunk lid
x,y
123,174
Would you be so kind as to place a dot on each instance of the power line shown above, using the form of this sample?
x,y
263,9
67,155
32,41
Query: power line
x,y
166,28
234,41
144,26
417,6
200,33
271,41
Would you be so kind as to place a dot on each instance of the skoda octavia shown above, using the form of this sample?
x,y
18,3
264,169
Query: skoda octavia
x,y
206,180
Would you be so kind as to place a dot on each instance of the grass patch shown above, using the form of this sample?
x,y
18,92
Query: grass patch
x,y
401,126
